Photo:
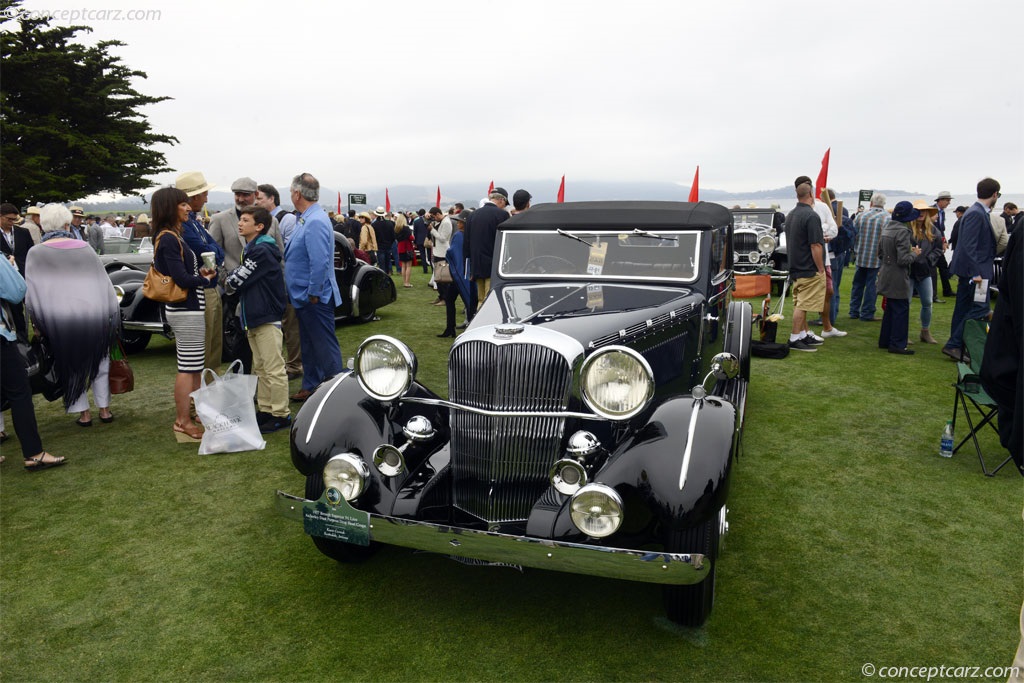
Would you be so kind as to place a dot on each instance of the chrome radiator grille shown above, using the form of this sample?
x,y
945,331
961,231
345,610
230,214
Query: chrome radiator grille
x,y
743,243
500,464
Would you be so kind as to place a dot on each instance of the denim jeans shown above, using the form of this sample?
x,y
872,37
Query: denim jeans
x,y
895,322
321,354
839,262
923,288
863,293
964,310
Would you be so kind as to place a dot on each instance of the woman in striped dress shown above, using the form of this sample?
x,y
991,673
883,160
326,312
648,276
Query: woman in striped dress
x,y
171,256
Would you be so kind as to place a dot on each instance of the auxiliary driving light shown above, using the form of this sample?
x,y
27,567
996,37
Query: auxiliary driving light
x,y
596,510
388,460
567,476
347,474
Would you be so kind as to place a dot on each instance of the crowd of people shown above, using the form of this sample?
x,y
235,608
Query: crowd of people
x,y
274,269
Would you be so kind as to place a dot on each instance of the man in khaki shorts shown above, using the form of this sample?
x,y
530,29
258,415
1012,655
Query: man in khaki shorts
x,y
806,245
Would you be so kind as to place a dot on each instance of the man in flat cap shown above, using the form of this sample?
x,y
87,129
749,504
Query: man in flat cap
x,y
479,237
76,228
194,185
224,224
942,200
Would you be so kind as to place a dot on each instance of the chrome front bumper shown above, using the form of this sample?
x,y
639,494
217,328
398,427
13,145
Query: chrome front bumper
x,y
617,563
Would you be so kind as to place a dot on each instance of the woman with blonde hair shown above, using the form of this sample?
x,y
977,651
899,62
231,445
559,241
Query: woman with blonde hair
x,y
929,240
406,247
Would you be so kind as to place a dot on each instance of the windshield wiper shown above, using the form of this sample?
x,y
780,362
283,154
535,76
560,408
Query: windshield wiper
x,y
572,236
643,233
544,310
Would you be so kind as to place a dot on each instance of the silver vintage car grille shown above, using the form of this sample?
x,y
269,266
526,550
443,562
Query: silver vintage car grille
x,y
743,243
500,463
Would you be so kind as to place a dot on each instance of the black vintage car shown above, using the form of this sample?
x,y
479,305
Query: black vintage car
x,y
594,409
364,290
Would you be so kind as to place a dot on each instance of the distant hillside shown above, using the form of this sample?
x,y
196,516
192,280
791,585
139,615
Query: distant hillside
x,y
412,197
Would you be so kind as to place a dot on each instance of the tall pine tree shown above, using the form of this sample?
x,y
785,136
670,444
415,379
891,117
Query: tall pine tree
x,y
70,124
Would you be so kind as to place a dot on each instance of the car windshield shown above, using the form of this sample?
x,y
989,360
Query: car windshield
x,y
744,219
623,254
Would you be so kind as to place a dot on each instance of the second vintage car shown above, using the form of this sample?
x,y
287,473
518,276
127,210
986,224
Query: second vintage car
x,y
593,411
364,290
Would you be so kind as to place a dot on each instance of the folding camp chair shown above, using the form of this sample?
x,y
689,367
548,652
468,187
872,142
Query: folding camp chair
x,y
968,388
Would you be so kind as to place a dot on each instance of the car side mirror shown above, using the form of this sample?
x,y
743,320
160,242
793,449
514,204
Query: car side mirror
x,y
723,366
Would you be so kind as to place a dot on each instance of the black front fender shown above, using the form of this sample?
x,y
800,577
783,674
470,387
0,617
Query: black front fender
x,y
647,467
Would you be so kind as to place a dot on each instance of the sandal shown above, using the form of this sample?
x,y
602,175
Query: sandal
x,y
190,430
108,419
3,437
40,462
85,423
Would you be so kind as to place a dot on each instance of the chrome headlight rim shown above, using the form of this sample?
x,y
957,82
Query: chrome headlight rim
x,y
766,244
610,494
410,364
599,410
562,484
351,464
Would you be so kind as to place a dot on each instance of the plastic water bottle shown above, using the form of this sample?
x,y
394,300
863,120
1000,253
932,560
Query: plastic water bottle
x,y
946,444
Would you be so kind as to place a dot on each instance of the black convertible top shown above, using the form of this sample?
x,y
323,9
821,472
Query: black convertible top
x,y
641,214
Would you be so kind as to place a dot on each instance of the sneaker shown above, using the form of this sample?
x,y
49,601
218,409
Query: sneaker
x,y
262,417
812,339
801,345
903,352
834,332
275,423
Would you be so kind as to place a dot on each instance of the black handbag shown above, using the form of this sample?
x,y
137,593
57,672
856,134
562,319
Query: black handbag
x,y
42,374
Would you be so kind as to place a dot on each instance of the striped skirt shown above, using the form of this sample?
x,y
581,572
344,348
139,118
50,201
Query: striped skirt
x,y
189,339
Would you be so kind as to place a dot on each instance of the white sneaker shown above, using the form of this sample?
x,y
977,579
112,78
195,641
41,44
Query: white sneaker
x,y
816,337
834,332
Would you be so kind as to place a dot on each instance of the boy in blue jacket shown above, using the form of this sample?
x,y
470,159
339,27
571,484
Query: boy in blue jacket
x,y
259,280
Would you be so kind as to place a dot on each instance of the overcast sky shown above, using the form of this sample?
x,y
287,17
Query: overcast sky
x,y
917,95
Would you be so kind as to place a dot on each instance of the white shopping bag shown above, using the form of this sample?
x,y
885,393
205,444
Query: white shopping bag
x,y
228,414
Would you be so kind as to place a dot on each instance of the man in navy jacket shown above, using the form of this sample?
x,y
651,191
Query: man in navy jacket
x,y
312,286
972,263
480,234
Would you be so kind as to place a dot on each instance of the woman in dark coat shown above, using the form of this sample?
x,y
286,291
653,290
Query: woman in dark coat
x,y
896,253
461,286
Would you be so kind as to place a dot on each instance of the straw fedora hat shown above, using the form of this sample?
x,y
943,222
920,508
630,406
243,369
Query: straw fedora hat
x,y
142,218
193,183
924,207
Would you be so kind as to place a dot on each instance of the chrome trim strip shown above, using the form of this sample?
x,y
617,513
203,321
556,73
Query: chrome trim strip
x,y
580,558
497,413
319,408
155,328
691,432
355,300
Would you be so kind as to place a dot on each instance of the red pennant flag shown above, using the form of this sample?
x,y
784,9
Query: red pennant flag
x,y
490,189
339,202
822,182
438,204
387,201
694,195
561,191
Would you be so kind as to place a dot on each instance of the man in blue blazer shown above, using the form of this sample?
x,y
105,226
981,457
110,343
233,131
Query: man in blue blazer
x,y
972,262
312,286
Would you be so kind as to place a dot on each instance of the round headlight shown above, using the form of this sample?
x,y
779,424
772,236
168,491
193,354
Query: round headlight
x,y
754,256
347,474
567,476
385,367
617,382
766,244
597,510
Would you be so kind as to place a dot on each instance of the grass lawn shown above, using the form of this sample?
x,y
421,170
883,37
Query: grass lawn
x,y
851,542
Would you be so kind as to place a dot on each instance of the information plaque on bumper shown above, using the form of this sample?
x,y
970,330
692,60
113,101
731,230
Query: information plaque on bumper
x,y
336,521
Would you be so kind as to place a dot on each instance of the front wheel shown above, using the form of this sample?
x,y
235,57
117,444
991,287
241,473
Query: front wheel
x,y
134,341
691,605
368,316
338,551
